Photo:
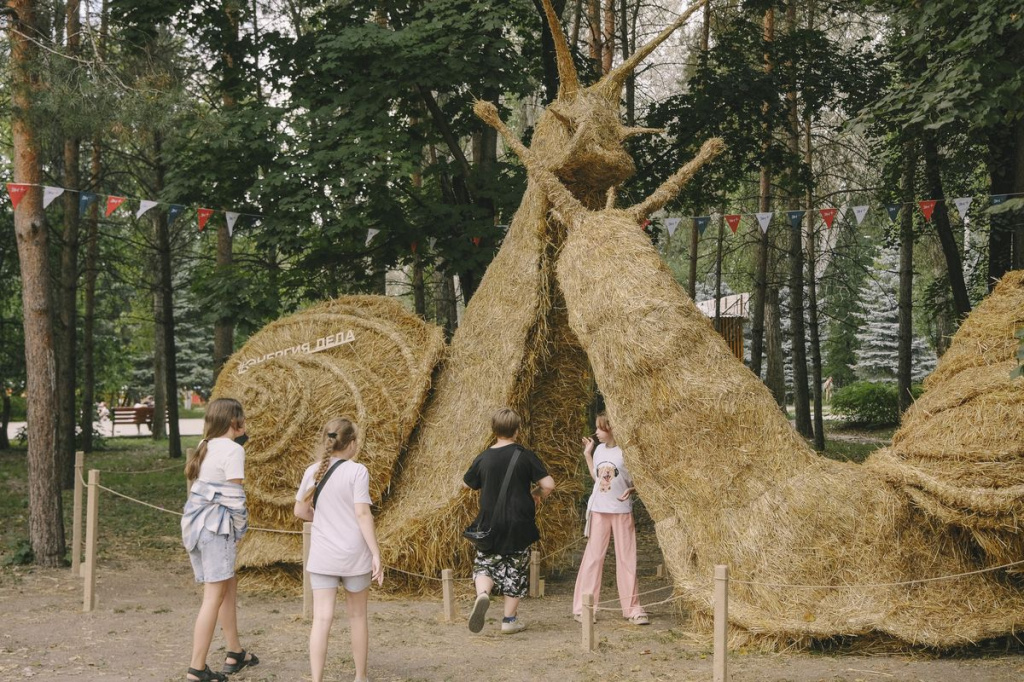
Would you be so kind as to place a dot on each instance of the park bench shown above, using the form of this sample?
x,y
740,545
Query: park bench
x,y
131,415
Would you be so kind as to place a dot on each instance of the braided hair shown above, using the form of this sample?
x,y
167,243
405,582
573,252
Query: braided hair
x,y
337,434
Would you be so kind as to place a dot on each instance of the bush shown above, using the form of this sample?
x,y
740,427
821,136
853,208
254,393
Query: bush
x,y
868,403
17,408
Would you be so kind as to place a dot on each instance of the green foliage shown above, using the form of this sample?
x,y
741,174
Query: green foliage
x,y
867,403
19,553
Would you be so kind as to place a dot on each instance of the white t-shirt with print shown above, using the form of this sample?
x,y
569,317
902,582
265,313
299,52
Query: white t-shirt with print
x,y
224,460
612,481
337,546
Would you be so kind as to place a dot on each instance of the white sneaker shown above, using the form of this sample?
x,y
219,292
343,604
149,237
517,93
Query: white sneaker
x,y
640,619
512,628
479,612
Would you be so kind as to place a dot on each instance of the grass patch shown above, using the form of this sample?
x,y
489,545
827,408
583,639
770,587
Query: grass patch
x,y
138,468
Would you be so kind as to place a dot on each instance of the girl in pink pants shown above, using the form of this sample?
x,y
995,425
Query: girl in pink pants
x,y
609,512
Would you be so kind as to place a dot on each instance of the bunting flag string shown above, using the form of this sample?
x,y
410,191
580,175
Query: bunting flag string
x,y
859,212
828,215
927,207
702,223
733,221
764,219
18,190
672,224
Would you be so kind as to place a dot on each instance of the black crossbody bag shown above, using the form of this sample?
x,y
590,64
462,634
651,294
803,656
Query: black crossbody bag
x,y
479,536
320,485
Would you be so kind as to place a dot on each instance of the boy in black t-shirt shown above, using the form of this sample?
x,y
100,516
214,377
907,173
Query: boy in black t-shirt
x,y
505,565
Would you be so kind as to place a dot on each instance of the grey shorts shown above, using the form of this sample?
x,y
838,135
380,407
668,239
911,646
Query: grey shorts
x,y
510,572
353,583
213,559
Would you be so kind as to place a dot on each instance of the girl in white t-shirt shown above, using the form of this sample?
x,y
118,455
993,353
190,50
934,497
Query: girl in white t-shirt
x,y
214,520
343,545
609,512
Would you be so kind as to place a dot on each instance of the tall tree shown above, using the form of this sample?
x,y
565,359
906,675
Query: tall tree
x,y
46,523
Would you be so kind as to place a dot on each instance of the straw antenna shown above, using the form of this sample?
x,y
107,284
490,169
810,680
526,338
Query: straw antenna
x,y
568,80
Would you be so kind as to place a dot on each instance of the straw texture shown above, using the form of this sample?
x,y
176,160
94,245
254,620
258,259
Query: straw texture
x,y
379,374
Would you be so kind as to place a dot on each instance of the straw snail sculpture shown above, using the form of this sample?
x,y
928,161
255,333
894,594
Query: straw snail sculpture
x,y
819,549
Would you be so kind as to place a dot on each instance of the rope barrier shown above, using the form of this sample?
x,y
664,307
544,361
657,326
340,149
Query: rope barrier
x,y
896,584
147,471
599,606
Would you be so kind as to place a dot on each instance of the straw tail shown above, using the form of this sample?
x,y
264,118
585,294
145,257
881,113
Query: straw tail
x,y
568,79
728,480
612,82
671,187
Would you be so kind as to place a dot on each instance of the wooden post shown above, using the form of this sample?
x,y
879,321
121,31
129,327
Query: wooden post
x,y
307,590
76,515
588,622
541,588
91,519
448,590
721,626
534,573
659,572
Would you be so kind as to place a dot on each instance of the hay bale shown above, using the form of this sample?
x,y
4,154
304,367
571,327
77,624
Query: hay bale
x,y
378,371
817,548
959,453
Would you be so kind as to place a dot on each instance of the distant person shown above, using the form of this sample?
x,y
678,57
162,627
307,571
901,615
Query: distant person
x,y
215,519
502,564
827,390
335,495
102,411
609,513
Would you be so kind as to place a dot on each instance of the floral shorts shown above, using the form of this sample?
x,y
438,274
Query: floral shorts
x,y
510,572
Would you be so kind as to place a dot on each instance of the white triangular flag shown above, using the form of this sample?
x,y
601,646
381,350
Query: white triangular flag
x,y
51,193
145,205
672,224
962,204
859,212
370,234
763,219
232,218
433,242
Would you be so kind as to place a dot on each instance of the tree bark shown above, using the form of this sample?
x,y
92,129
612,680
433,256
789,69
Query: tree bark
x,y
940,218
65,331
166,287
798,336
90,273
45,514
812,280
608,37
905,334
1003,151
776,375
764,203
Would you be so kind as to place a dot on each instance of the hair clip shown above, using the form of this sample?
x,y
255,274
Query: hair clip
x,y
332,435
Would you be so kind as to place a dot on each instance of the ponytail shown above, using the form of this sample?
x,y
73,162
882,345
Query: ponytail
x,y
336,436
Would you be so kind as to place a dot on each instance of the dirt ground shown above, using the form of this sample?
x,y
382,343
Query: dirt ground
x,y
141,630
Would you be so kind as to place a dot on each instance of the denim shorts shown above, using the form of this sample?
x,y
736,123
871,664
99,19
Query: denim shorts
x,y
213,559
353,583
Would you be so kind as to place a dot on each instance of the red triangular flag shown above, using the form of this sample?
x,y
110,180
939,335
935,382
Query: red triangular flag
x,y
734,222
645,224
204,215
927,206
476,241
17,191
828,215
413,246
112,204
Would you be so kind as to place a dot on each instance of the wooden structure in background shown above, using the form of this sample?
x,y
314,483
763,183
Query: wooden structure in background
x,y
733,313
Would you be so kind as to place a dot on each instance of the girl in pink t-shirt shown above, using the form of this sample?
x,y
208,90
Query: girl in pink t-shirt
x,y
343,547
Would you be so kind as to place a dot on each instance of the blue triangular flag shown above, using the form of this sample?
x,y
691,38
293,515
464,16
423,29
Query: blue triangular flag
x,y
894,211
702,223
998,199
84,200
173,212
795,218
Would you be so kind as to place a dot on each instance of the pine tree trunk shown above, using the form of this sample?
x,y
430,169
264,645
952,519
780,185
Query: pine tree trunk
x,y
906,323
5,417
159,430
1001,162
798,336
166,288
764,204
608,37
940,218
776,375
91,272
46,523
